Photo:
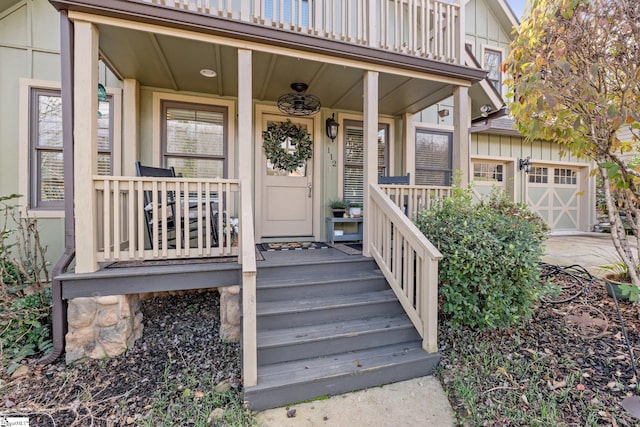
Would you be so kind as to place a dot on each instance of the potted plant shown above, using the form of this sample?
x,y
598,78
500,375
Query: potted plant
x,y
338,207
618,282
355,209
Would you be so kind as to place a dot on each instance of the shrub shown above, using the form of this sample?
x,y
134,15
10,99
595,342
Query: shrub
x,y
25,294
489,275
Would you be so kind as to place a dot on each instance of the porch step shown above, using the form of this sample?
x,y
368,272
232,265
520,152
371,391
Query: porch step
x,y
328,328
332,283
315,311
281,345
290,382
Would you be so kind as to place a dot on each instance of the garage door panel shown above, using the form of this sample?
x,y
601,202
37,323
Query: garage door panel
x,y
556,199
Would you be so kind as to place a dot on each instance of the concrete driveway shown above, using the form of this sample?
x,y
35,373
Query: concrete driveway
x,y
590,250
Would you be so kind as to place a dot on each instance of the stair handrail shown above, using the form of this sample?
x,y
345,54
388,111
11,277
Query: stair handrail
x,y
247,257
394,242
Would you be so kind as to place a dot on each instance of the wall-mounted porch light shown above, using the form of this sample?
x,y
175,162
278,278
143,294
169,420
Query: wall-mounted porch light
x,y
485,110
443,113
525,164
332,127
102,92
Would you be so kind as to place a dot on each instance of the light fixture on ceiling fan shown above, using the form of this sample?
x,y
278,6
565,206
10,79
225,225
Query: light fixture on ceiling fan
x,y
299,104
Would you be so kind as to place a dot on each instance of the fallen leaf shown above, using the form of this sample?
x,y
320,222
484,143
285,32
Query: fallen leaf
x,y
198,395
580,387
558,384
524,399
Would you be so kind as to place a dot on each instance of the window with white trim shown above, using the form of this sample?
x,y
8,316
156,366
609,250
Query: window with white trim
x,y
434,157
565,176
492,61
194,139
539,175
488,172
352,188
46,175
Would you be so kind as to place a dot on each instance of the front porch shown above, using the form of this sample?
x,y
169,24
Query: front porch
x,y
406,56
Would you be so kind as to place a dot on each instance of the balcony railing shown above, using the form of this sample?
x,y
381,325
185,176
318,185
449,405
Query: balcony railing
x,y
423,28
141,218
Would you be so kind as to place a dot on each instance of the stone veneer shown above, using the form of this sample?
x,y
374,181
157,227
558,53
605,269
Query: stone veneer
x,y
107,326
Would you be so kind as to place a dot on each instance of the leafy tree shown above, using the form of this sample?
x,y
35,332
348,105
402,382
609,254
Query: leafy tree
x,y
575,79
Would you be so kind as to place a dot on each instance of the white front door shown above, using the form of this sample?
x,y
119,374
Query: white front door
x,y
286,198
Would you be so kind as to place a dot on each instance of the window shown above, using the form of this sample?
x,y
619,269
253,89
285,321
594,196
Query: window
x,y
565,176
488,172
352,188
539,175
194,139
46,159
492,61
434,157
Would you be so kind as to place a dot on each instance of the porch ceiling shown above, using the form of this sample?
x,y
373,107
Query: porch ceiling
x,y
162,61
6,4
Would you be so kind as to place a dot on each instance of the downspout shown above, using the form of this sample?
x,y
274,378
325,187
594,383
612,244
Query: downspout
x,y
59,306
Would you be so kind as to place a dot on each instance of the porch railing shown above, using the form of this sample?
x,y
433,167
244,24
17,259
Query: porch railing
x,y
408,261
413,198
423,28
140,218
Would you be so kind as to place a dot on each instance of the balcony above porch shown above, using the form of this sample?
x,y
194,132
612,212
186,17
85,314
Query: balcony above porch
x,y
153,42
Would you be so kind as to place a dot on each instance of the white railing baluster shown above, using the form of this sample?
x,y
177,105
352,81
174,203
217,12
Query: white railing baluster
x,y
116,220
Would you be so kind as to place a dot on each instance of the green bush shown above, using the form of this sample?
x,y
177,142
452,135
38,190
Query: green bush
x,y
489,275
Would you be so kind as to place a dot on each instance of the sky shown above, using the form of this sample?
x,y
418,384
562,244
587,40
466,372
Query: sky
x,y
517,6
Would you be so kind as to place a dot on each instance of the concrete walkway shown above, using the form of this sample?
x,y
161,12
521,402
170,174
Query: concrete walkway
x,y
422,402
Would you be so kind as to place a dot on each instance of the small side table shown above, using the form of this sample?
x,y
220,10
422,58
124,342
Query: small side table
x,y
332,221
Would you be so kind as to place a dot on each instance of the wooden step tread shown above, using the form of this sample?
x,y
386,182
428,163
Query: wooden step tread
x,y
337,301
349,328
351,363
326,278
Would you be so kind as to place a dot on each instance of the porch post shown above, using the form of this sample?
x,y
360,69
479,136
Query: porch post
x,y
85,131
130,149
409,137
245,148
461,124
370,172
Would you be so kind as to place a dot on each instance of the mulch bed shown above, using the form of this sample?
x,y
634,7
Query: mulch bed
x,y
180,332
580,336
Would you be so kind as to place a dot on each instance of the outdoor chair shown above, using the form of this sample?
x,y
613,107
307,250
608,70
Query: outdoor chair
x,y
189,226
401,180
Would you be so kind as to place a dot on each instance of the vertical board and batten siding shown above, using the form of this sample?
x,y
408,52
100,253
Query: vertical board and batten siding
x,y
27,50
508,149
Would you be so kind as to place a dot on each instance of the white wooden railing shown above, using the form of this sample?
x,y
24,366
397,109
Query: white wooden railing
x,y
424,28
408,261
141,218
413,198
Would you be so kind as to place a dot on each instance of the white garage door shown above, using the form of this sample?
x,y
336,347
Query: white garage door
x,y
553,191
487,177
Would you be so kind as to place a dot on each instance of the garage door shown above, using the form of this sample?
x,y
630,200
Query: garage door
x,y
553,191
487,177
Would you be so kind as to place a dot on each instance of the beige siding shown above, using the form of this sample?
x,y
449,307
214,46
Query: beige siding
x,y
483,28
29,45
514,146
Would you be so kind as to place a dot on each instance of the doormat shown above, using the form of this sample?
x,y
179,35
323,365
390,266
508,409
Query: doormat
x,y
291,246
349,248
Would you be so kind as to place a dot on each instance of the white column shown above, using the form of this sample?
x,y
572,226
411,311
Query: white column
x,y
85,134
461,124
370,173
130,128
409,138
245,115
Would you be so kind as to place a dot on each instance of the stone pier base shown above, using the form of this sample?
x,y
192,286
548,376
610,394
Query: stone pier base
x,y
102,326
230,311
107,326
